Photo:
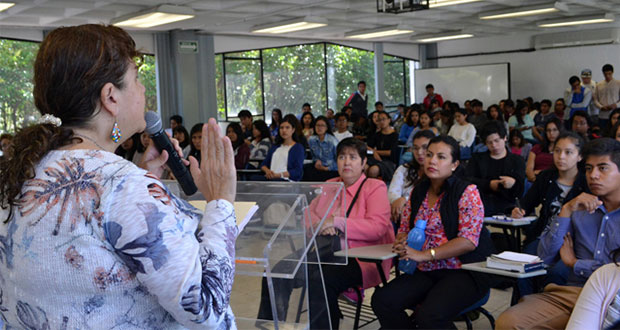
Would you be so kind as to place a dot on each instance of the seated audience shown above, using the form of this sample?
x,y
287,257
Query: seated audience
x,y
342,127
5,143
367,220
509,109
498,174
180,133
554,186
329,114
241,149
541,118
522,121
580,123
307,124
615,130
373,125
577,97
463,132
411,122
447,120
359,128
541,156
559,108
323,148
581,236
128,148
613,119
143,143
261,143
598,305
286,158
196,135
425,124
518,145
276,118
399,118
245,119
478,118
384,145
407,175
439,289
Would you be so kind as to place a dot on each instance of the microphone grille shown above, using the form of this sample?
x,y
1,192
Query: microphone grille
x,y
153,122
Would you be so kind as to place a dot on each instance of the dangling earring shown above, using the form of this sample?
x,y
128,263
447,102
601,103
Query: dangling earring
x,y
116,133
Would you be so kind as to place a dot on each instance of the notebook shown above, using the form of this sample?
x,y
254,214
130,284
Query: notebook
x,y
243,211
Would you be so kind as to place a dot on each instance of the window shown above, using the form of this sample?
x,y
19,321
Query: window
x,y
148,77
294,76
243,83
17,107
16,75
322,74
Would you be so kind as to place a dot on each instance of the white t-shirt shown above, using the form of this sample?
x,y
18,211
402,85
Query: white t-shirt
x,y
279,159
465,134
342,136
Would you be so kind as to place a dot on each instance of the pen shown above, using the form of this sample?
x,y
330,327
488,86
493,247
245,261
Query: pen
x,y
518,204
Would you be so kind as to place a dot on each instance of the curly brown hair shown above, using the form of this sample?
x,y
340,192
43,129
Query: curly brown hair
x,y
72,66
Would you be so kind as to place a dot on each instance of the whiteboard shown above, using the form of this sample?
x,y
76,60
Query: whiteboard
x,y
488,83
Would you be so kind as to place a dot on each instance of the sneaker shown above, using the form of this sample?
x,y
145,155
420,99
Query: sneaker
x,y
351,296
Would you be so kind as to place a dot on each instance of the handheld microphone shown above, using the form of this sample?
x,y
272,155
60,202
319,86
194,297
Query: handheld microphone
x,y
174,162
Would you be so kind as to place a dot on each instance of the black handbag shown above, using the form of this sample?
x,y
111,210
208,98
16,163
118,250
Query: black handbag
x,y
328,244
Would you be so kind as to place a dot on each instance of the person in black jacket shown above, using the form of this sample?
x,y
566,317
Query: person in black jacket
x,y
561,183
498,173
359,101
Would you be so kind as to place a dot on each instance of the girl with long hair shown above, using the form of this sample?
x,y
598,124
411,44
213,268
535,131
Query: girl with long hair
x,y
286,158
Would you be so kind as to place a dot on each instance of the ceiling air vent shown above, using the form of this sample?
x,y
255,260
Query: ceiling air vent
x,y
577,38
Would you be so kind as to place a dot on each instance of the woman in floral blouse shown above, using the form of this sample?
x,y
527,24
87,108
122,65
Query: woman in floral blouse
x,y
88,239
439,289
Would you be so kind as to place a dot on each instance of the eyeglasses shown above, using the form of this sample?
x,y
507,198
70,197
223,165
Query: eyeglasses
x,y
320,125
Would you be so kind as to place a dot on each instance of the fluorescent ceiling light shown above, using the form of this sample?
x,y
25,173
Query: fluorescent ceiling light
x,y
441,3
578,21
6,5
442,37
160,15
297,24
378,33
524,11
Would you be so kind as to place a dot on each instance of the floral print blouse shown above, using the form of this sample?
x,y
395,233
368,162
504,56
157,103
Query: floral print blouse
x,y
98,243
471,218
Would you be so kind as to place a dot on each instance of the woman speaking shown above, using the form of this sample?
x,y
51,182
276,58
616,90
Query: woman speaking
x,y
88,239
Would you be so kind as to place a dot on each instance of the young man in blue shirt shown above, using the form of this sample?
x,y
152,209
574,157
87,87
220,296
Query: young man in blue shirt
x,y
582,236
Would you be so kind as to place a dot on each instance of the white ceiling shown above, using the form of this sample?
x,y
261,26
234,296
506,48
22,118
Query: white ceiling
x,y
237,17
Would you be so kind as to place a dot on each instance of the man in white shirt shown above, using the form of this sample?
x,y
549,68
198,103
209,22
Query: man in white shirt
x,y
607,95
342,123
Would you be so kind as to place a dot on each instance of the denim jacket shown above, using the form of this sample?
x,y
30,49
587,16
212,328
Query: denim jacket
x,y
325,150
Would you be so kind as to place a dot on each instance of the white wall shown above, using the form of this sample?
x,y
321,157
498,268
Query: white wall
x,y
539,74
227,43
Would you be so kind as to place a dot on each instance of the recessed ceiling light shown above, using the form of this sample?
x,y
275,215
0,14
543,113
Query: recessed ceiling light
x,y
387,31
524,11
441,3
578,21
297,24
6,5
442,37
160,15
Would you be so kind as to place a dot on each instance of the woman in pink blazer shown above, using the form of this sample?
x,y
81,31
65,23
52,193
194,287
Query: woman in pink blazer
x,y
367,223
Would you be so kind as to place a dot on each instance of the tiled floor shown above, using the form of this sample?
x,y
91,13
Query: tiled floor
x,y
246,293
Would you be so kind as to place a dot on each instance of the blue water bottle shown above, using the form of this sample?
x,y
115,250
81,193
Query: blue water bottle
x,y
415,240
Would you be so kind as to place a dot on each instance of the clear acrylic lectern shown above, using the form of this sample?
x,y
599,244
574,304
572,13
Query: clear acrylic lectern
x,y
277,250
